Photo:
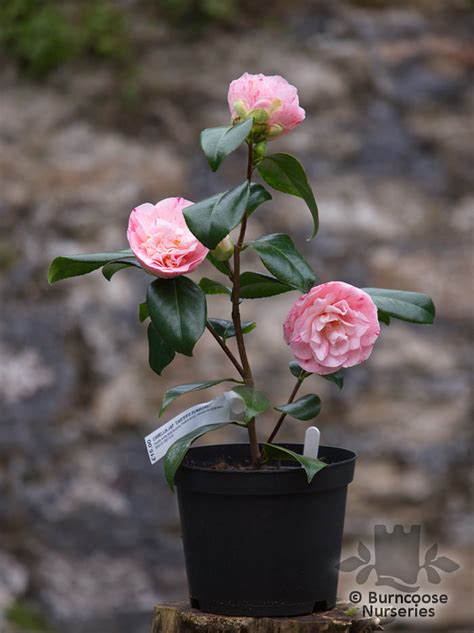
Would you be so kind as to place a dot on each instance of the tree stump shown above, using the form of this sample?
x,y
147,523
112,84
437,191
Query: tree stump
x,y
180,618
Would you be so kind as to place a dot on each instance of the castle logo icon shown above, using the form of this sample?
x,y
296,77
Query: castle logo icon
x,y
397,560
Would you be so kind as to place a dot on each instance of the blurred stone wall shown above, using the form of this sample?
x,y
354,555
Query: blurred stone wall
x,y
89,533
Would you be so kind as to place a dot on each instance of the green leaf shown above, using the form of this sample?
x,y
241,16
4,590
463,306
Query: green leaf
x,y
337,378
75,265
219,142
305,408
257,285
178,310
211,287
178,450
310,465
111,268
255,401
414,307
181,390
143,313
222,267
383,317
280,257
226,329
285,173
212,219
160,354
258,195
297,371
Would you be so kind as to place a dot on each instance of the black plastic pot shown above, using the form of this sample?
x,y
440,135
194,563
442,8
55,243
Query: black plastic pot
x,y
262,543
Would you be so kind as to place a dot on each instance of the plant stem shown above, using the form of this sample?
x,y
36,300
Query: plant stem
x,y
282,417
247,372
225,349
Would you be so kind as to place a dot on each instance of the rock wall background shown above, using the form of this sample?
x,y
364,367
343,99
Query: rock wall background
x,y
89,535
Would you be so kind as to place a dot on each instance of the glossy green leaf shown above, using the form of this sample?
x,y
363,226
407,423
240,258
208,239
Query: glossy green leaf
x,y
255,401
226,328
211,287
337,378
383,317
177,451
305,408
222,267
311,466
258,195
297,371
143,313
218,142
212,219
74,265
178,310
109,270
285,173
280,256
414,307
180,390
160,354
257,285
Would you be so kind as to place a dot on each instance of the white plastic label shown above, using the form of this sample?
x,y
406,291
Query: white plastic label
x,y
227,408
311,442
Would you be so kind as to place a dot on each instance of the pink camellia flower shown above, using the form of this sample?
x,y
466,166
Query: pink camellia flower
x,y
161,241
334,325
272,102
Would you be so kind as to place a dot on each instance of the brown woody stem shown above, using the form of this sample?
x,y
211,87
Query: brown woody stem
x,y
282,417
247,372
225,349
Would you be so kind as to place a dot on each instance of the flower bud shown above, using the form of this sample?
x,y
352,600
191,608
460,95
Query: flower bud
x,y
259,150
224,250
271,101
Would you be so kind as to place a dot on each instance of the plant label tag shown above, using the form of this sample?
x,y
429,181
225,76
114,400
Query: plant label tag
x,y
226,408
311,442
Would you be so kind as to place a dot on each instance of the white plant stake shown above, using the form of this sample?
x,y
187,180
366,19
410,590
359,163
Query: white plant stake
x,y
311,442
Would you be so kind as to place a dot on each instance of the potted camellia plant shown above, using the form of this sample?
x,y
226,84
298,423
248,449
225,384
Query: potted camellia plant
x,y
262,521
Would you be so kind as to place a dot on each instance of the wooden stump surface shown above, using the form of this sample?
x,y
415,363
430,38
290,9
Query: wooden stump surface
x,y
180,618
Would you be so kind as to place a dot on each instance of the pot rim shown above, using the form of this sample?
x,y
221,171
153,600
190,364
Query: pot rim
x,y
282,470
